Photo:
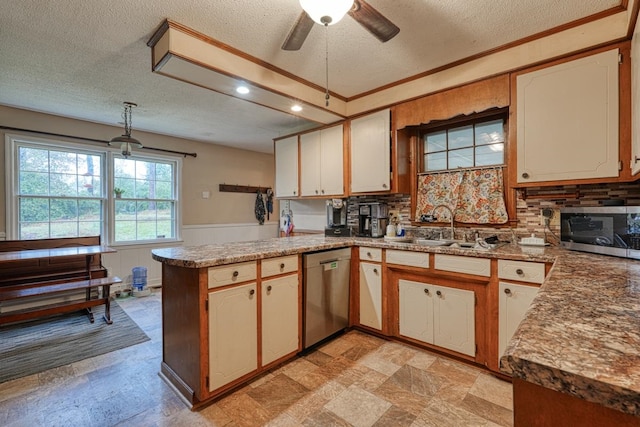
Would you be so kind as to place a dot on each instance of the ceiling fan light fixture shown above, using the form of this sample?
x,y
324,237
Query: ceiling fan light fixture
x,y
126,141
326,12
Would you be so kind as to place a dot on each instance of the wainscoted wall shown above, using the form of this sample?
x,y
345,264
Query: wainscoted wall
x,y
122,262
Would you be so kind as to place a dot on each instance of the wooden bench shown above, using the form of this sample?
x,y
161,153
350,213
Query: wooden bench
x,y
51,276
35,289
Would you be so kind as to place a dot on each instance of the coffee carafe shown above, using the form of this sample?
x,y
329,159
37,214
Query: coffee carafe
x,y
373,219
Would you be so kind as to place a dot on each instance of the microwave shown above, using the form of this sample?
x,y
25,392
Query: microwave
x,y
607,230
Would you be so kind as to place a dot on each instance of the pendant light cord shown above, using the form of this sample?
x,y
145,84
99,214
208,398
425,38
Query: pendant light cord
x,y
326,63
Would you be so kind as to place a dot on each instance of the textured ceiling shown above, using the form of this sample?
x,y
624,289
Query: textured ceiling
x,y
83,58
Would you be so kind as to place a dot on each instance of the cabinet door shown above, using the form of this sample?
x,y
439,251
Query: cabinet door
x,y
567,120
454,320
416,310
370,153
514,302
371,295
310,164
280,307
286,153
233,334
331,161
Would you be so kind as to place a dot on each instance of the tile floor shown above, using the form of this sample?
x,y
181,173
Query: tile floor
x,y
354,380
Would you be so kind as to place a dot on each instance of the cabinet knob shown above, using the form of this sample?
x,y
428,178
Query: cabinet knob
x,y
322,191
235,273
439,293
375,270
282,266
525,175
294,192
251,292
369,254
519,272
316,191
384,185
507,291
269,288
426,291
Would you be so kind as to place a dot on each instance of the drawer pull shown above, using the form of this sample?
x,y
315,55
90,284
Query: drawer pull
x,y
269,288
439,293
375,270
426,291
235,273
251,292
507,291
369,254
525,175
282,266
519,272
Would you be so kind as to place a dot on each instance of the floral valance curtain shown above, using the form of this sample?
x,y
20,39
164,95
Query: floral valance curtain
x,y
475,196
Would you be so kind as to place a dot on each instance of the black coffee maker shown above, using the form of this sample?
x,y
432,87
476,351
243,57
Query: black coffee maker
x,y
337,218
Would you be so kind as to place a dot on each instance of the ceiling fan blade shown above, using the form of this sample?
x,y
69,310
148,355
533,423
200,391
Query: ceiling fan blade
x,y
298,33
373,21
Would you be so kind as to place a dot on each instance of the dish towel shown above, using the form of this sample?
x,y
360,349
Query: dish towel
x,y
269,202
260,209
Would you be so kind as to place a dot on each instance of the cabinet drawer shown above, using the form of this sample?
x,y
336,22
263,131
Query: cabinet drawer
x,y
413,259
280,265
462,264
233,273
371,254
521,270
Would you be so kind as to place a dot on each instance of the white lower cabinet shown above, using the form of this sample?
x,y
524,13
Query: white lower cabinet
x,y
438,315
371,295
233,334
279,317
514,301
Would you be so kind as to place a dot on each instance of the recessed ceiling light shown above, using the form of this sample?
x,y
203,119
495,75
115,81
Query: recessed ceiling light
x,y
296,108
242,90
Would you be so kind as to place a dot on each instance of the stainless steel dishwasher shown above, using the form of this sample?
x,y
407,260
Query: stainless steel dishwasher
x,y
326,294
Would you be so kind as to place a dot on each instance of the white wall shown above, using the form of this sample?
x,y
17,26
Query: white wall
x,y
122,262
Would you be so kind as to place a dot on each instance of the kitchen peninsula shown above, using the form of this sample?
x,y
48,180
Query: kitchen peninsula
x,y
579,343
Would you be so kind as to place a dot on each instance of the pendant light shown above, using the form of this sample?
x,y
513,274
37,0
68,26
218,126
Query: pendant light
x,y
126,141
326,12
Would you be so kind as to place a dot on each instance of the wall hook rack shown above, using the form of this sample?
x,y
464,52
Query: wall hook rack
x,y
228,188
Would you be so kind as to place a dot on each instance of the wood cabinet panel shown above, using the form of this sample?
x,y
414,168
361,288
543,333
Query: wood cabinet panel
x,y
371,295
568,120
279,317
233,334
286,156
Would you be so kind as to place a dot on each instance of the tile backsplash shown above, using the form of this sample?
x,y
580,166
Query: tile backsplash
x,y
528,211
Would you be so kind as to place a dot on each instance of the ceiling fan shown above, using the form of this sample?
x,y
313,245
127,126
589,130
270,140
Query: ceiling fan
x,y
372,20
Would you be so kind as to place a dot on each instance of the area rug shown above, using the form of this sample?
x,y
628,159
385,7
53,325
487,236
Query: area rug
x,y
32,347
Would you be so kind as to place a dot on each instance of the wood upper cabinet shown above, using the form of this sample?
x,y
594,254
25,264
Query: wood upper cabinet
x,y
286,154
568,120
371,153
321,162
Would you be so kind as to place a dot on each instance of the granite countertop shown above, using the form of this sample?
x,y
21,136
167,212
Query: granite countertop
x,y
581,335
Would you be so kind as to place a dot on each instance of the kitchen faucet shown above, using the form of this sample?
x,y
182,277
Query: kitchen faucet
x,y
453,236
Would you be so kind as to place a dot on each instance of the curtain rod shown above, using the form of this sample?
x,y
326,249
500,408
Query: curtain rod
x,y
462,169
92,140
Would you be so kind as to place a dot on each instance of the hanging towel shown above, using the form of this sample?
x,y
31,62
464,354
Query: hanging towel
x,y
259,209
269,202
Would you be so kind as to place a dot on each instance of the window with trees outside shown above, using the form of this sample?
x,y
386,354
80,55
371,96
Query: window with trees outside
x,y
70,190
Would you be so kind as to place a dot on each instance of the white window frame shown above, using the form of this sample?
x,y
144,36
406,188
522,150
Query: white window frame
x,y
108,208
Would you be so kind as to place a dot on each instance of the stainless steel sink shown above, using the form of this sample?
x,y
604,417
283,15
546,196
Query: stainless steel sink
x,y
434,242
